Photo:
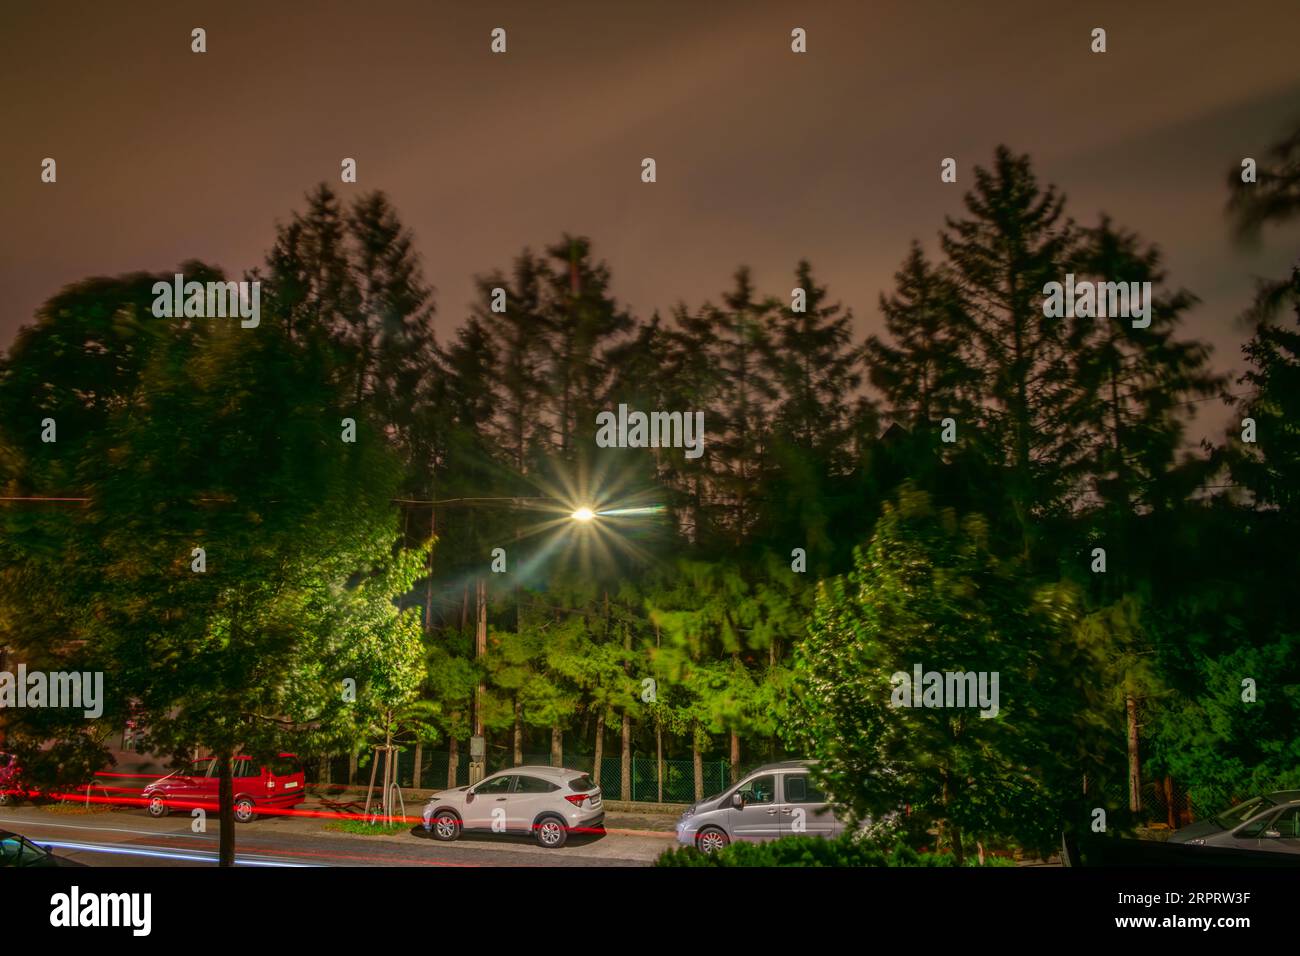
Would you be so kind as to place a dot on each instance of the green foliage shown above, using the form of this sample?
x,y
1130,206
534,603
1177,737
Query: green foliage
x,y
927,591
845,851
1070,435
228,442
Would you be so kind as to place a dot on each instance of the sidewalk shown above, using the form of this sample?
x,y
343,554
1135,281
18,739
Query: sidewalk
x,y
652,817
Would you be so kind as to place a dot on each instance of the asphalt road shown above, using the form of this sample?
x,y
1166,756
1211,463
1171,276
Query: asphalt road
x,y
133,838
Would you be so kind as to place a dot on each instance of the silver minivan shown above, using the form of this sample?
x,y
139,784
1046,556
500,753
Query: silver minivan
x,y
776,800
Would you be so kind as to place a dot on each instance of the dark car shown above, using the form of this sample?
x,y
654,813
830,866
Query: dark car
x,y
17,850
275,783
1269,823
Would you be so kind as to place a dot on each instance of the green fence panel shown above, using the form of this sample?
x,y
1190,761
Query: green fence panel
x,y
678,785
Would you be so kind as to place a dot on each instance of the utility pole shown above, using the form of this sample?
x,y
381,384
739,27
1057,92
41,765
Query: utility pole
x,y
477,745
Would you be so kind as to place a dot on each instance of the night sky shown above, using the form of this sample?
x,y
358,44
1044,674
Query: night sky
x,y
764,156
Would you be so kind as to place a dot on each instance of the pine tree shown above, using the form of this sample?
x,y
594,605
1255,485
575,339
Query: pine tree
x,y
584,323
392,336
922,372
1012,242
311,286
1270,467
1137,389
816,370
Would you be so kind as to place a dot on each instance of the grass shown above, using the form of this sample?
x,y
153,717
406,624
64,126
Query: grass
x,y
364,828
74,808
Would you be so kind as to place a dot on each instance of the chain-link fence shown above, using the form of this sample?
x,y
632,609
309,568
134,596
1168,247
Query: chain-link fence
x,y
1169,803
652,781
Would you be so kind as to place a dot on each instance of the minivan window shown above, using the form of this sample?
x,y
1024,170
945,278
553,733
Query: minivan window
x,y
247,768
760,789
800,789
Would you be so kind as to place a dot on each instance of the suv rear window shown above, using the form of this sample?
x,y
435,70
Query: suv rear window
x,y
581,784
284,766
529,784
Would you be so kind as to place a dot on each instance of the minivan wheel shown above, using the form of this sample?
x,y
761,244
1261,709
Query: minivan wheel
x,y
446,826
550,832
710,840
244,810
157,806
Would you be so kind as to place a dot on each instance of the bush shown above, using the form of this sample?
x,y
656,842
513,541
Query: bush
x,y
847,850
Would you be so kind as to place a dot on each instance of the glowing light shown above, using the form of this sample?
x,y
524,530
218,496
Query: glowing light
x,y
583,514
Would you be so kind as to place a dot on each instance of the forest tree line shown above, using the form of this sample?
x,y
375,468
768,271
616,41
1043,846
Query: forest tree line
x,y
972,438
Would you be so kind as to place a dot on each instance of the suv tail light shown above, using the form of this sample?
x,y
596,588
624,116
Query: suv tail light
x,y
575,798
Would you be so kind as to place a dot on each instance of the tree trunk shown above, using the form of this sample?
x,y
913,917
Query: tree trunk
x,y
390,774
953,831
735,757
226,809
1134,764
453,762
958,851
352,769
519,733
697,761
659,761
4,666
625,764
1171,816
557,746
325,769
625,767
599,754
480,649
370,790
418,770
428,588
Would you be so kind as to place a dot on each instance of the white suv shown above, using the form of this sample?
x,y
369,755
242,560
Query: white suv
x,y
549,802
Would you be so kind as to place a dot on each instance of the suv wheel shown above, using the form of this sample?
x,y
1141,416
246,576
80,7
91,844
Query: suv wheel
x,y
710,840
244,811
445,826
157,806
550,832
